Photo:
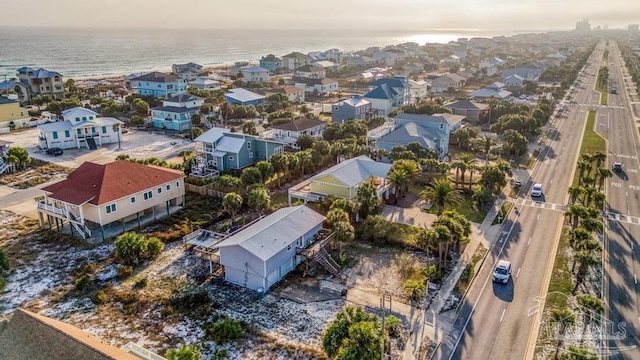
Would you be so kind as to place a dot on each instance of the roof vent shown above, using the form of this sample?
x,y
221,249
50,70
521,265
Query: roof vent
x,y
94,185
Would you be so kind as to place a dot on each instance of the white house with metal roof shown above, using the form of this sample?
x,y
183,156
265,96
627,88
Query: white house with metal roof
x,y
81,128
344,179
263,253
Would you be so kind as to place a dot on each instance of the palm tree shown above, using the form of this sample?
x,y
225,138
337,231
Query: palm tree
x,y
458,165
586,259
588,194
468,160
574,193
603,174
343,232
563,318
400,179
280,164
305,158
578,237
484,143
599,157
592,306
441,193
444,239
582,166
232,203
259,199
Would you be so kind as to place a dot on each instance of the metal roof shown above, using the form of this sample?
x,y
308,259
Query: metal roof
x,y
212,135
230,144
275,232
243,95
356,170
411,132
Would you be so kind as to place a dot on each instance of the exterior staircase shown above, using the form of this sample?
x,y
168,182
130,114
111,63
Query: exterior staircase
x,y
91,143
323,258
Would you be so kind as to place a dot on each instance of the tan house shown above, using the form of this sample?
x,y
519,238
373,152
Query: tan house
x,y
295,60
472,110
448,82
12,115
41,82
30,336
291,92
110,198
344,179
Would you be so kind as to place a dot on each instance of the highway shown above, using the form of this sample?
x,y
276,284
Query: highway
x,y
500,321
622,230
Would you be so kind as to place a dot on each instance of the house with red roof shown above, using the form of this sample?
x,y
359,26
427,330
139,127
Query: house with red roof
x,y
117,196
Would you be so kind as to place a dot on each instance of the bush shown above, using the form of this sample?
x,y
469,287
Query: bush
x,y
185,352
433,274
4,261
124,272
191,302
393,325
83,282
132,248
3,282
101,296
141,284
225,331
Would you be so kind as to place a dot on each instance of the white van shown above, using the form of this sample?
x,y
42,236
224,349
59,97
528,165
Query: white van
x,y
502,272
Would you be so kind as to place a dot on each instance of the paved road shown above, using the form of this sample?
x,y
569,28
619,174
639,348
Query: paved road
x,y
622,259
494,322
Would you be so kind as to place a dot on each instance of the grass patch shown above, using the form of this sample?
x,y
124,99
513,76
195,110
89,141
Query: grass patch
x,y
592,142
502,213
467,208
38,172
561,283
467,275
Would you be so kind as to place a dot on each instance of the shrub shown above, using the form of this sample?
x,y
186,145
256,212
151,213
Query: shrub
x,y
414,289
3,282
101,296
83,282
124,272
433,274
132,248
140,284
184,352
393,325
225,331
4,261
191,302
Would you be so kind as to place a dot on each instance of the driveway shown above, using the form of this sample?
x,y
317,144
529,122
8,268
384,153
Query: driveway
x,y
409,216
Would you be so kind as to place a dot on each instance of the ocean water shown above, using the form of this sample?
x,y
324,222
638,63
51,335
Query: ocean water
x,y
84,52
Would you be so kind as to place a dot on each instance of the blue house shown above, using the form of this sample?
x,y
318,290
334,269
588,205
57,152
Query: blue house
x,y
271,62
158,84
430,131
175,112
355,107
399,84
243,97
219,149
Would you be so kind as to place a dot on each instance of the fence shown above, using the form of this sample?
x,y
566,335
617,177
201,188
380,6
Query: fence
x,y
204,190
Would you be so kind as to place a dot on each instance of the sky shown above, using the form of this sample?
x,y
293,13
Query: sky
x,y
400,15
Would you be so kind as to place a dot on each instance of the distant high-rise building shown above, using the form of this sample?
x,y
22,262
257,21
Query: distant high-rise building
x,y
634,27
583,25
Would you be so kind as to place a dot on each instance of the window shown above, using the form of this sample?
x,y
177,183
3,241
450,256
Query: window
x,y
148,195
133,199
84,118
168,187
177,184
289,247
441,126
104,129
67,133
249,145
231,158
159,190
250,154
78,131
55,134
111,208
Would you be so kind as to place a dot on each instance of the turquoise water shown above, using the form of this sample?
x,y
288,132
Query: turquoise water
x,y
79,52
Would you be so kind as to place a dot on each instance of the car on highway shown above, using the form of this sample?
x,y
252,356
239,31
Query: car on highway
x,y
536,189
617,167
502,272
54,151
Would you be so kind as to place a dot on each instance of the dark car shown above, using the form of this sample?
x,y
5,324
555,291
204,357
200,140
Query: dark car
x,y
54,151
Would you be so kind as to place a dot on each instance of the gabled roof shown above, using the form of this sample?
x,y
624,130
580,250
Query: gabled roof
x,y
254,69
230,144
157,77
4,100
212,135
68,125
411,132
383,91
393,82
355,101
271,57
488,92
275,232
78,112
495,85
40,73
453,77
296,54
175,109
30,336
291,90
203,81
423,118
515,76
300,124
309,68
183,98
467,105
356,170
98,184
312,82
243,95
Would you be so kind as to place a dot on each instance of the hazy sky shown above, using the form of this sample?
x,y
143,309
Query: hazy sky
x,y
492,15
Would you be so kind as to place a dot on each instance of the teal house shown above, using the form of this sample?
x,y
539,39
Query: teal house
x,y
219,149
157,84
175,112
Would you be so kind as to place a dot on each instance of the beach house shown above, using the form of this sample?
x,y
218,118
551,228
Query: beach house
x,y
255,74
243,97
175,112
356,107
121,193
271,62
289,132
12,115
80,127
158,84
39,82
295,60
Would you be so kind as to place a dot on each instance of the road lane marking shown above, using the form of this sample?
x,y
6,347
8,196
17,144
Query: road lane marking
x,y
529,242
502,316
518,274
538,218
635,279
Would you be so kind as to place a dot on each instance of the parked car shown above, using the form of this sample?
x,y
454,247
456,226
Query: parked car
x,y
502,272
536,189
54,151
617,167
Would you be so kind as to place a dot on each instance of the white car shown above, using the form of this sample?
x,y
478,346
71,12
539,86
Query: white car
x,y
536,189
502,272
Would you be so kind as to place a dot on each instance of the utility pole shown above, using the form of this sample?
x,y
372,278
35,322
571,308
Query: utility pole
x,y
386,298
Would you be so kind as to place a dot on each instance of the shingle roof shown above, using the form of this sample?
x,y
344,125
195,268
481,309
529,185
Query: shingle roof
x,y
383,91
411,132
309,68
99,184
157,77
312,82
78,112
275,232
175,109
254,69
4,100
183,98
299,124
30,336
355,101
467,105
356,170
296,54
487,93
422,118
271,57
393,82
